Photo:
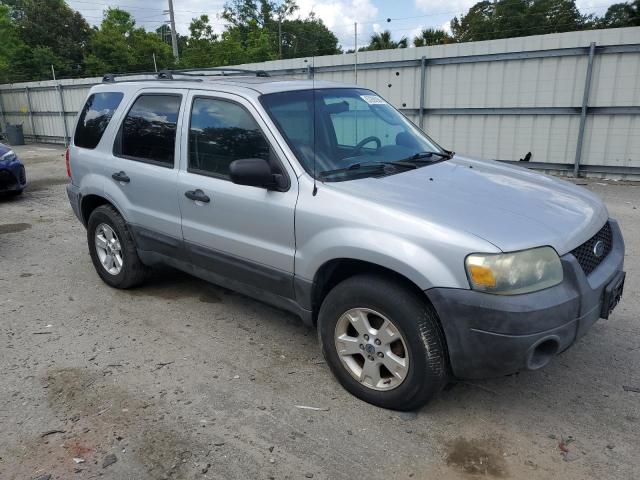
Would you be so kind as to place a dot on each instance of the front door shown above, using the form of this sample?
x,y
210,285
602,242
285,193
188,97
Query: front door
x,y
235,231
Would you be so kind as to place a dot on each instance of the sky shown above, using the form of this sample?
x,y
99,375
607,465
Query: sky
x,y
404,18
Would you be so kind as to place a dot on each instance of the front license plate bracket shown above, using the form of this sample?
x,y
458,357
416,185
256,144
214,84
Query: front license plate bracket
x,y
612,294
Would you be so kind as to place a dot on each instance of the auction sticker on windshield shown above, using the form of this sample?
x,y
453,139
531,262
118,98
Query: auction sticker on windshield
x,y
373,99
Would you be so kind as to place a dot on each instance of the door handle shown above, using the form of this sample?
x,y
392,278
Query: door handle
x,y
121,177
197,196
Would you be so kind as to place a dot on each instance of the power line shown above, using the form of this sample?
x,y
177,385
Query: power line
x,y
149,20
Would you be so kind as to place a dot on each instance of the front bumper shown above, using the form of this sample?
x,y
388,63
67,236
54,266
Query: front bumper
x,y
491,335
12,177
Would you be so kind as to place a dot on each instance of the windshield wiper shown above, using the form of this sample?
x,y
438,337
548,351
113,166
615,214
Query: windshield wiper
x,y
353,166
373,167
420,156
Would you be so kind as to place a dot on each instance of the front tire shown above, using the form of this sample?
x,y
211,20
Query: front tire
x,y
112,249
383,342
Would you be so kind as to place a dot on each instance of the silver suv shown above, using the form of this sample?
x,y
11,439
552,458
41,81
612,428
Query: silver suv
x,y
417,266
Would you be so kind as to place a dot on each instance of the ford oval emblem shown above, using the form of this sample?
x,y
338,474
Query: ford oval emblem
x,y
598,248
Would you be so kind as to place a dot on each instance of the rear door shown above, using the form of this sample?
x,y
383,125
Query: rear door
x,y
142,171
239,232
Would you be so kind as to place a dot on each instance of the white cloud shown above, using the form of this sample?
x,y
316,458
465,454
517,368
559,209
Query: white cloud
x,y
377,28
437,7
340,15
592,6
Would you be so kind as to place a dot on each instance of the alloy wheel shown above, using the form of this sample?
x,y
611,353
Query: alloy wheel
x,y
108,249
372,349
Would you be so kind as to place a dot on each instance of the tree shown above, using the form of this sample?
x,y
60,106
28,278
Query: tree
x,y
247,16
265,21
51,26
308,37
430,36
201,46
11,47
556,16
517,18
621,15
383,41
119,46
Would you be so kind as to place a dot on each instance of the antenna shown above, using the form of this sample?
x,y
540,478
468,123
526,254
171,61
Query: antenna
x,y
313,86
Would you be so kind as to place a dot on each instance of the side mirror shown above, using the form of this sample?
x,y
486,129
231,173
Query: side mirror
x,y
255,172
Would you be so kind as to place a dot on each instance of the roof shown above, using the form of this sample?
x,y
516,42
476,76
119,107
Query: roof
x,y
278,84
261,85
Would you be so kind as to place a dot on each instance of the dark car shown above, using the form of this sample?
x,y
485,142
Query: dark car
x,y
12,175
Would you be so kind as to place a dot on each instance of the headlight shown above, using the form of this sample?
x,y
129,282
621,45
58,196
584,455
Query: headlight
x,y
514,273
8,157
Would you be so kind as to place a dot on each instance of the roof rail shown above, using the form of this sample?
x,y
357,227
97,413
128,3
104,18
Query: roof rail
x,y
191,72
223,71
112,77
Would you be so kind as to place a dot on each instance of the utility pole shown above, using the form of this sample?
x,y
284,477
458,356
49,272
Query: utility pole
x,y
355,41
174,40
280,37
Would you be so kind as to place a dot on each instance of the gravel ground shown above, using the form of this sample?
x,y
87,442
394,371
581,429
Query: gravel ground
x,y
181,379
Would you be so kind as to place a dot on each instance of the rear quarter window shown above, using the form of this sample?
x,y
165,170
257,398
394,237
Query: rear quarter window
x,y
95,117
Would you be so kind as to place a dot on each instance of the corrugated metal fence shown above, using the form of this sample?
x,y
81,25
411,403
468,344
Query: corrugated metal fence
x,y
571,99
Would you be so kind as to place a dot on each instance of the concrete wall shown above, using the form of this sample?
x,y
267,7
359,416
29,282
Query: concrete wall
x,y
493,99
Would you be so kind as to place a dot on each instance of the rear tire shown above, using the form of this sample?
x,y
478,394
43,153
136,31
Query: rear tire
x,y
117,263
392,315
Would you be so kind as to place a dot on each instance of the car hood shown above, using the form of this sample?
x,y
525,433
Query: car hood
x,y
511,207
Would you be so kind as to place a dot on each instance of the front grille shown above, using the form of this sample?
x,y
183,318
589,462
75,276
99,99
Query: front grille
x,y
7,180
585,252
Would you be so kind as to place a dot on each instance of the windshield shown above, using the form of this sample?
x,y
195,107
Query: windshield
x,y
352,128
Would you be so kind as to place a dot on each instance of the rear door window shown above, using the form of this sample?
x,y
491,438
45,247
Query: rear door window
x,y
148,132
95,117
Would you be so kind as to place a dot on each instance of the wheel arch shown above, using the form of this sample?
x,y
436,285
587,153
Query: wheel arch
x,y
334,271
90,202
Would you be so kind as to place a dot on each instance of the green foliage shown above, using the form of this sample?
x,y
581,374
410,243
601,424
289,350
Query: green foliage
x,y
383,41
119,46
298,37
621,15
517,18
36,34
253,35
51,26
10,45
306,38
431,36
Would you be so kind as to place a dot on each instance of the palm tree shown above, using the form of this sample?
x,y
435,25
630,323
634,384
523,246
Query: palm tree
x,y
383,41
432,36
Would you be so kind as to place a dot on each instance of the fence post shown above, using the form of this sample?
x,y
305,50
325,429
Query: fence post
x,y
63,116
423,81
33,125
310,72
583,111
3,119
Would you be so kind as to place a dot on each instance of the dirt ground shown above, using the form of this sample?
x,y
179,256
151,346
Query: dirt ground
x,y
180,379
